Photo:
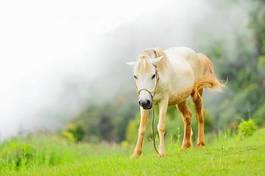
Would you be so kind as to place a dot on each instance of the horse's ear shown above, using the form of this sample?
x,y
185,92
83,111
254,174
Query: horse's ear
x,y
131,63
156,60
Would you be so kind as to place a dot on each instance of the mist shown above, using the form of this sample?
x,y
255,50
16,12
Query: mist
x,y
59,56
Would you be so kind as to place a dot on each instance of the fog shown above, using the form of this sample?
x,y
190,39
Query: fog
x,y
56,57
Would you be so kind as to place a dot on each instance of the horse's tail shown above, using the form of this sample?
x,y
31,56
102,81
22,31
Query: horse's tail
x,y
207,78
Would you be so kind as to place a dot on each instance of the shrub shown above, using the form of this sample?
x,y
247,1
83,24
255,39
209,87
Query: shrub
x,y
73,132
246,128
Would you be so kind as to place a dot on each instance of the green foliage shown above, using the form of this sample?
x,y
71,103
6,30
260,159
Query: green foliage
x,y
261,66
246,128
132,129
257,17
73,132
260,114
106,122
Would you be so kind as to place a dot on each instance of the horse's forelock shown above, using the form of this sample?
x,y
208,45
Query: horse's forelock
x,y
143,65
154,52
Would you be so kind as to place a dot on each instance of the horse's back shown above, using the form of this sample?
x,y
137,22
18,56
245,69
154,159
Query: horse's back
x,y
179,52
202,66
181,73
182,58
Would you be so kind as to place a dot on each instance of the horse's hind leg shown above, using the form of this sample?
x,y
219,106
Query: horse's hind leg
x,y
186,117
197,99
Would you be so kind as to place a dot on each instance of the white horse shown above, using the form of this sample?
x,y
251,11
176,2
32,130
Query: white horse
x,y
169,77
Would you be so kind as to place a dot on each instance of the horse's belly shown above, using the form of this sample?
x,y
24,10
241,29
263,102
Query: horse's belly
x,y
179,97
181,86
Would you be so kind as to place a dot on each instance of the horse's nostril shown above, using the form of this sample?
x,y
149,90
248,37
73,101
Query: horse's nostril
x,y
139,102
148,102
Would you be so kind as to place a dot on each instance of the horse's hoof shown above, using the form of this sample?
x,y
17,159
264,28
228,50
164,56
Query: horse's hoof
x,y
160,155
186,146
134,156
200,145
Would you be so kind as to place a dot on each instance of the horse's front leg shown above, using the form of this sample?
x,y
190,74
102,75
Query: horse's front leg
x,y
161,127
142,127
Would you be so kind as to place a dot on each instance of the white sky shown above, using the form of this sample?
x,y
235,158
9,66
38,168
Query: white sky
x,y
41,42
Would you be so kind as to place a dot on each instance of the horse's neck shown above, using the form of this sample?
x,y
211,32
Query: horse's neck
x,y
164,65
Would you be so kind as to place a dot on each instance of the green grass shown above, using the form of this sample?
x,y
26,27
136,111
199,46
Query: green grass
x,y
52,156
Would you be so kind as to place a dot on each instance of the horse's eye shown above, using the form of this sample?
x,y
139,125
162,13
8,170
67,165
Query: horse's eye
x,y
153,76
135,77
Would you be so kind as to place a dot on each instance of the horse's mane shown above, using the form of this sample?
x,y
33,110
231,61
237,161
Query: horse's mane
x,y
155,53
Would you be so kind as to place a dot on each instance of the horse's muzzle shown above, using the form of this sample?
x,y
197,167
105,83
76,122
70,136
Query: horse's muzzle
x,y
146,104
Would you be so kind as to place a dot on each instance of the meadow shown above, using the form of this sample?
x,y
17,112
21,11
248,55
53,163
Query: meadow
x,y
50,155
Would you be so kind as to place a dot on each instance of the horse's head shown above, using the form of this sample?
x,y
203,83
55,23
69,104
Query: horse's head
x,y
146,79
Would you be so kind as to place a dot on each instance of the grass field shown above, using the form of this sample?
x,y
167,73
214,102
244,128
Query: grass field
x,y
52,156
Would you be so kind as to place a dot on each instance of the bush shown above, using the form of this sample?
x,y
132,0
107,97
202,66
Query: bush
x,y
246,128
73,132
